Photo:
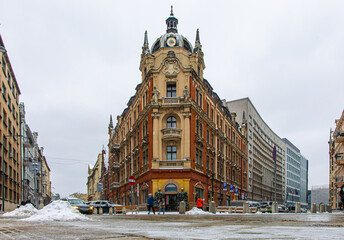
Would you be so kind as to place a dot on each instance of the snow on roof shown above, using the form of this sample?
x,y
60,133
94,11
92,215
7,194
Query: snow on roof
x,y
23,211
57,211
197,211
317,187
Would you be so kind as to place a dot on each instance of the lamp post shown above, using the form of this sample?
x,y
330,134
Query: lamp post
x,y
261,188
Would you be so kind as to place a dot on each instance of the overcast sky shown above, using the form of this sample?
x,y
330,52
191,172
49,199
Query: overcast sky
x,y
77,62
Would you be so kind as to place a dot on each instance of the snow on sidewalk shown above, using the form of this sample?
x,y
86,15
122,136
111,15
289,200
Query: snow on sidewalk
x,y
57,211
197,211
23,211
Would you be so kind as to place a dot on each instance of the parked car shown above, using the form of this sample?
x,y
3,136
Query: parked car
x,y
265,206
79,205
105,205
282,209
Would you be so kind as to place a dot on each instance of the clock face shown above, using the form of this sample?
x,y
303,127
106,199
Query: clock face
x,y
171,41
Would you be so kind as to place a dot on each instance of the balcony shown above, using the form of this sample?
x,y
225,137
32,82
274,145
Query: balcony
x,y
115,148
171,134
114,186
171,100
339,181
27,143
115,166
172,164
339,158
340,137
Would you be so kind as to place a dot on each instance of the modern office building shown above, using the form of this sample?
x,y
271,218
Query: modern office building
x,y
175,137
320,194
261,141
10,164
303,180
336,155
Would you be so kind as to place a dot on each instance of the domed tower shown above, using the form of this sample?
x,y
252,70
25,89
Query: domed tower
x,y
170,134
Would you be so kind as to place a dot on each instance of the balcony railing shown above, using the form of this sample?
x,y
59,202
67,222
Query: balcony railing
x,y
115,166
340,158
174,164
171,133
171,100
114,185
340,136
339,180
115,148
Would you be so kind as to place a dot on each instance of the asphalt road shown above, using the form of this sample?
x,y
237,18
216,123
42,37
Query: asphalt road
x,y
175,226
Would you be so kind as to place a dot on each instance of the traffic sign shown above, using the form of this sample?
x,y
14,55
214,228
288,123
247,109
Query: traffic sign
x,y
274,154
132,180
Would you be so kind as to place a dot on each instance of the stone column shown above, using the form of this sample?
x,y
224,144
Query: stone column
x,y
155,135
212,207
297,207
313,208
274,207
246,207
182,207
186,130
321,208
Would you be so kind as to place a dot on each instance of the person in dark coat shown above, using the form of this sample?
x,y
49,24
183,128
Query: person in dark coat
x,y
341,194
150,203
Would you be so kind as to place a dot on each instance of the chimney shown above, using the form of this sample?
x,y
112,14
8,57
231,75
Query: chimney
x,y
233,115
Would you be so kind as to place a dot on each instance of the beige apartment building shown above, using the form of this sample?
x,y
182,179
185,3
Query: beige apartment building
x,y
336,153
261,141
175,137
10,164
94,177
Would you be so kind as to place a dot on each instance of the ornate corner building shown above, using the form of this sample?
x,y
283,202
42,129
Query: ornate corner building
x,y
336,154
175,134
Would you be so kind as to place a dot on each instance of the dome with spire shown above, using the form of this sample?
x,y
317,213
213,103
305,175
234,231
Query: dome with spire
x,y
171,38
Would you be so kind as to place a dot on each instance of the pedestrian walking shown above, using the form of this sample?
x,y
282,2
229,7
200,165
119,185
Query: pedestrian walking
x,y
341,194
150,205
199,203
162,205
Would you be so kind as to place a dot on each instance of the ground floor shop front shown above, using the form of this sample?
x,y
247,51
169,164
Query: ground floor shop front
x,y
174,186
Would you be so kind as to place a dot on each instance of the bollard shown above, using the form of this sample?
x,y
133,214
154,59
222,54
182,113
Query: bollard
x,y
297,207
110,210
274,208
322,208
95,211
246,207
124,211
212,207
230,210
314,208
182,207
100,210
329,208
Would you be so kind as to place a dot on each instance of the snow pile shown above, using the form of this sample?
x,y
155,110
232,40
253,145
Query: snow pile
x,y
57,211
23,211
197,211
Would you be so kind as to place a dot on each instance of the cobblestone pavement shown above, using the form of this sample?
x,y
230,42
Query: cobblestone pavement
x,y
174,226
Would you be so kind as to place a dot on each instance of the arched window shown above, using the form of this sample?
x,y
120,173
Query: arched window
x,y
171,188
171,122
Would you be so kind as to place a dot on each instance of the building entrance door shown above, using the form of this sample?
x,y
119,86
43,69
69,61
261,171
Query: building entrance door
x,y
171,202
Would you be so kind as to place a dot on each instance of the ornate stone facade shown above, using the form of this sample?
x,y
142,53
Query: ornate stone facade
x,y
175,134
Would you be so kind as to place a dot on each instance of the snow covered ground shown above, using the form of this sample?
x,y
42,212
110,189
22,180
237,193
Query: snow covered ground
x,y
23,211
175,226
55,211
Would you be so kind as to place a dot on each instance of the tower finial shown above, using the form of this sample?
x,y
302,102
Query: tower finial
x,y
197,36
145,42
171,23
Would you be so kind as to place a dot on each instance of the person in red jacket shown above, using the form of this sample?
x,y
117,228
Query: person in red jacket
x,y
199,203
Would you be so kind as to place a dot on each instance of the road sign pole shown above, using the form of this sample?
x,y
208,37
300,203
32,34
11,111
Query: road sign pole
x,y
132,199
